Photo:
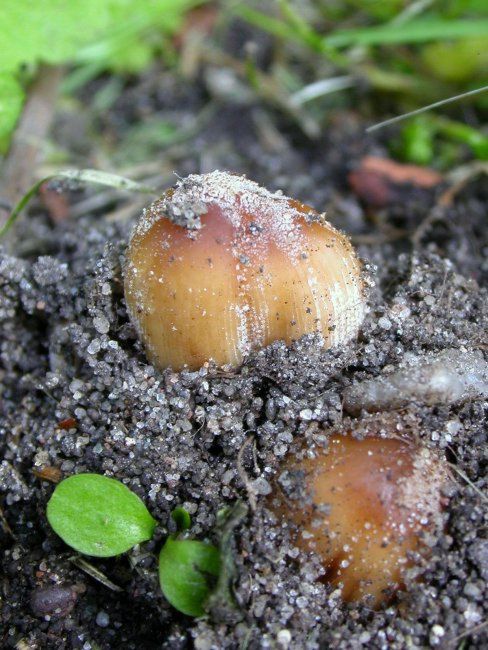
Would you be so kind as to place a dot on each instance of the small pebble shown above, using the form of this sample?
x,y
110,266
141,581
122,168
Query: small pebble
x,y
101,324
262,486
306,414
284,638
438,630
94,347
384,323
103,619
54,600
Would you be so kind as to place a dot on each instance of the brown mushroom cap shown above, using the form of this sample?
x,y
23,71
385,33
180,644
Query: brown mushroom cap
x,y
220,266
370,503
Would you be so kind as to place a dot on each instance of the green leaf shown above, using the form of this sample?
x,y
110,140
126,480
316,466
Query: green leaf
x,y
461,132
182,519
416,31
136,33
98,516
47,30
11,100
55,31
92,176
417,141
457,61
118,35
187,569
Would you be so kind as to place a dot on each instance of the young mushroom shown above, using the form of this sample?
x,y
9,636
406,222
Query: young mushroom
x,y
364,506
219,266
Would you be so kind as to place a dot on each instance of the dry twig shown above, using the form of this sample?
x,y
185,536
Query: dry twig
x,y
27,144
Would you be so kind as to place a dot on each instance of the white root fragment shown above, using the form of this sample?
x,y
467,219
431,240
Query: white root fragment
x,y
445,377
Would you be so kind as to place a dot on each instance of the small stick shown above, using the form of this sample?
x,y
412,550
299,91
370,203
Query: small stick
x,y
243,474
26,148
473,630
94,573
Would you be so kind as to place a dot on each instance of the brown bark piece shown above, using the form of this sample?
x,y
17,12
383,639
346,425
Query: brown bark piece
x,y
377,180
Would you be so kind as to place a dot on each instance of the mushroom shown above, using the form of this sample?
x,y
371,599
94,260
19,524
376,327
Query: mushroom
x,y
365,507
219,266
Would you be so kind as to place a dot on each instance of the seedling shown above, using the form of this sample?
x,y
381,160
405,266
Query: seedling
x,y
187,568
187,571
100,516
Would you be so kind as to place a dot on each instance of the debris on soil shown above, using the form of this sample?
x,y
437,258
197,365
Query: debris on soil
x,y
51,474
55,202
447,377
380,181
53,601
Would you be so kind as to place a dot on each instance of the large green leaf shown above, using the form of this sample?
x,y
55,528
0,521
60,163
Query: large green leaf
x,y
53,31
116,35
48,30
98,516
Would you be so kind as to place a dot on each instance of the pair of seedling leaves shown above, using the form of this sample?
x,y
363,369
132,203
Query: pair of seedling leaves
x,y
101,517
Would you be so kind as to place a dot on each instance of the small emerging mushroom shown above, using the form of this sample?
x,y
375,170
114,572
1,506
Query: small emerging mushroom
x,y
219,266
363,506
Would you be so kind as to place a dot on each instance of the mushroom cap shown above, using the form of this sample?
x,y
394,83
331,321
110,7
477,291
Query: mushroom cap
x,y
366,506
220,266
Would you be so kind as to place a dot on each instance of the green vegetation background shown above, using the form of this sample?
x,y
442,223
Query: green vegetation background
x,y
408,53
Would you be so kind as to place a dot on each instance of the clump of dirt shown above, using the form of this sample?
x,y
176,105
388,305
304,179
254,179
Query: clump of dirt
x,y
79,395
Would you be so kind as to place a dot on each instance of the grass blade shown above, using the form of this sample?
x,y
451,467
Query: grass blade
x,y
415,31
418,111
91,176
321,88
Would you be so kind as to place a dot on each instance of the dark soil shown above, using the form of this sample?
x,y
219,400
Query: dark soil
x,y
77,394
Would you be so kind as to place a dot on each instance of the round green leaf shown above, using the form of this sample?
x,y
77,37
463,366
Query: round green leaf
x,y
99,516
186,569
